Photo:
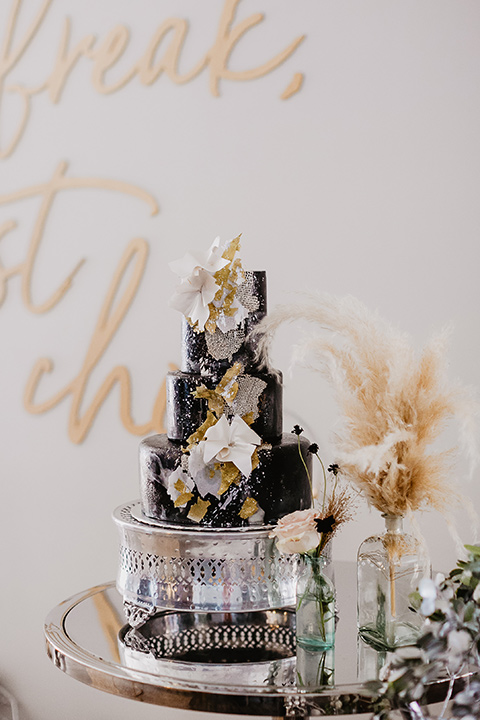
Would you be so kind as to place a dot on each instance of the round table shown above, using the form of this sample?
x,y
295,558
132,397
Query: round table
x,y
83,638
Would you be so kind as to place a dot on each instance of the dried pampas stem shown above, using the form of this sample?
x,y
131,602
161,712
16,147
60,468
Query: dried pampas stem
x,y
394,404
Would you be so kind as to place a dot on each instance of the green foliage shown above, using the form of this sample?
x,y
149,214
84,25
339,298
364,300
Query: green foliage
x,y
449,641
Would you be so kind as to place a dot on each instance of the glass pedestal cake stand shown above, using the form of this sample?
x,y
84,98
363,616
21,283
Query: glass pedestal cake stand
x,y
225,662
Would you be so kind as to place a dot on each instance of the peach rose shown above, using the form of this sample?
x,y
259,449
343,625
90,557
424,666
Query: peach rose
x,y
296,532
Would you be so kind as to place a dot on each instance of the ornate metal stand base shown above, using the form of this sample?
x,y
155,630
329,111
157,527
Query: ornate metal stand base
x,y
184,568
255,648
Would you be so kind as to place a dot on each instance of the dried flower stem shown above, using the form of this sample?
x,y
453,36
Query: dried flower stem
x,y
325,482
393,610
304,464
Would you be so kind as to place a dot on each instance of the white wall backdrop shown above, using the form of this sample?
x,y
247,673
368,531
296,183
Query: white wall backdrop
x,y
366,181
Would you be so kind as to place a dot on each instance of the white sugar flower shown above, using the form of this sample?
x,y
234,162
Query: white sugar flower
x,y
210,261
231,442
193,296
198,287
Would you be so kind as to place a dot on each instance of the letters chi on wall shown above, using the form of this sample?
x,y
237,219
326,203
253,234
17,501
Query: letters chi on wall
x,y
161,58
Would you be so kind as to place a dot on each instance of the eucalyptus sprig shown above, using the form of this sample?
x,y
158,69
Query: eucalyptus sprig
x,y
448,643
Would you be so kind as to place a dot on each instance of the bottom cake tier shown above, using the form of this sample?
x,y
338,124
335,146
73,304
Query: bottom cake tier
x,y
166,566
279,484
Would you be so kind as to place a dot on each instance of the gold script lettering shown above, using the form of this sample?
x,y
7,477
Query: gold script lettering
x,y
9,58
108,323
66,61
47,192
106,56
149,73
148,69
228,37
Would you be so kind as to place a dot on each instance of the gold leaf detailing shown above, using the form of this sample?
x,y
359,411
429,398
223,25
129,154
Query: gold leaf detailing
x,y
228,386
183,499
215,403
211,324
228,279
180,486
248,418
199,434
249,508
228,306
255,459
185,495
197,511
233,247
230,474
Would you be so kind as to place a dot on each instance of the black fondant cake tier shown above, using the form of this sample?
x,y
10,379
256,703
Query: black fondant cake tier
x,y
279,484
206,353
185,412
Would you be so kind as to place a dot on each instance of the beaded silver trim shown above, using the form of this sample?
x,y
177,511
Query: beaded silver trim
x,y
222,345
246,292
246,400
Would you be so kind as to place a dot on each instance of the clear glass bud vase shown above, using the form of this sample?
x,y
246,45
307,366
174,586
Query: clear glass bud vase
x,y
315,668
389,568
315,612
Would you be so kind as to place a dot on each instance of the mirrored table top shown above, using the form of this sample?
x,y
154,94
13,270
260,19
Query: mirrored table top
x,y
182,667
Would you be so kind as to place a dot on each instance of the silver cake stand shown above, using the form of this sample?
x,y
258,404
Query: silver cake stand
x,y
184,567
197,661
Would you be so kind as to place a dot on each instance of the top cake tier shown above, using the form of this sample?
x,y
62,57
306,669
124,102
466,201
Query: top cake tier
x,y
212,353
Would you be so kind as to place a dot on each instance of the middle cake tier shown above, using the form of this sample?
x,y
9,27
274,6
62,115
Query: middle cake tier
x,y
257,392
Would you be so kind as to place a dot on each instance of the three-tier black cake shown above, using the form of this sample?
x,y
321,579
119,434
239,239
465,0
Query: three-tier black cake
x,y
224,461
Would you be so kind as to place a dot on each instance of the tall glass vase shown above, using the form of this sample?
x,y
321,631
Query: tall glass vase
x,y
389,568
315,611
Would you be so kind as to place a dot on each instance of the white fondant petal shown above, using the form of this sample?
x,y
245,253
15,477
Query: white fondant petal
x,y
182,299
211,449
234,442
219,433
185,266
241,457
243,432
211,261
193,296
199,313
214,260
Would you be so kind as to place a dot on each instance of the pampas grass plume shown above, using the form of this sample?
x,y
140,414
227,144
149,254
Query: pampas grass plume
x,y
394,404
